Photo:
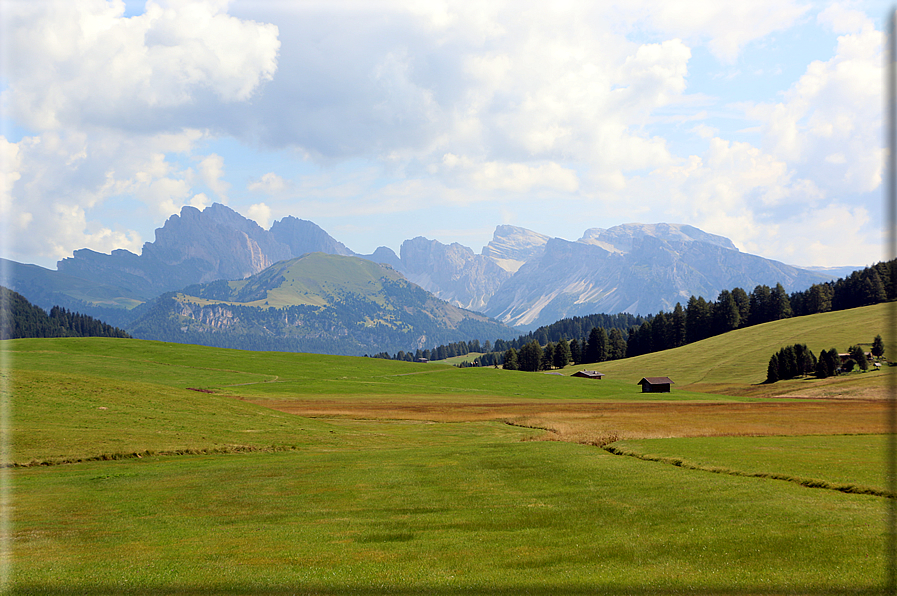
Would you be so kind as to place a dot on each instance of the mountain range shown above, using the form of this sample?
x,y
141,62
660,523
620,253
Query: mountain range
x,y
321,303
520,278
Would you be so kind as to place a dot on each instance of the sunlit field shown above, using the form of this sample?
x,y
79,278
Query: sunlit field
x,y
151,468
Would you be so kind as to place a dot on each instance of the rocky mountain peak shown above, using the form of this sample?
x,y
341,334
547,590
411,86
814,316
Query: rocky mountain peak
x,y
511,246
622,238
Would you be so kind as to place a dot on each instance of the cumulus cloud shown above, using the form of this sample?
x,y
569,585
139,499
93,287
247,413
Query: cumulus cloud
x,y
261,213
98,91
514,177
118,68
829,121
269,183
57,183
211,170
727,27
737,190
400,106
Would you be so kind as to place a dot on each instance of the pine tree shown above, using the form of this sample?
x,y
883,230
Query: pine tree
x,y
530,356
561,354
678,326
575,352
510,360
596,348
858,355
547,362
772,370
616,345
780,306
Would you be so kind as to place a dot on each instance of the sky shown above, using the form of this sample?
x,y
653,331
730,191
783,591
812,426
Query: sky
x,y
380,121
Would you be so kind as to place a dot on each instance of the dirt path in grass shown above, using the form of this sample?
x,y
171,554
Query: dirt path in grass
x,y
600,423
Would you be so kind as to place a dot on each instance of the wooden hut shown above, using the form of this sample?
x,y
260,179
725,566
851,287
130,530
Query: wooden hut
x,y
656,384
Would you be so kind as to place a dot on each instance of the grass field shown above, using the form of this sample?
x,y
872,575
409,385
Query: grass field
x,y
736,362
304,474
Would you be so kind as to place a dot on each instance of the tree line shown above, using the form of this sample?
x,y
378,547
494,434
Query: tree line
x,y
736,309
21,319
798,361
579,328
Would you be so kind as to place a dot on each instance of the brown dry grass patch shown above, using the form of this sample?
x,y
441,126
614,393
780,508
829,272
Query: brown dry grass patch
x,y
600,423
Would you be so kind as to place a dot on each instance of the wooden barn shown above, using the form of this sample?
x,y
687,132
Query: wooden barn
x,y
588,374
656,384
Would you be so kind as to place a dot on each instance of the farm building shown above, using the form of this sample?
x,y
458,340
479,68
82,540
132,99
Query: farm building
x,y
655,384
588,374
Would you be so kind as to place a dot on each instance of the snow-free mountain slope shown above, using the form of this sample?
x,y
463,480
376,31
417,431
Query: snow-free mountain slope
x,y
511,247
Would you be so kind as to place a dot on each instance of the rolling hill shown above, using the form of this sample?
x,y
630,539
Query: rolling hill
x,y
315,303
736,361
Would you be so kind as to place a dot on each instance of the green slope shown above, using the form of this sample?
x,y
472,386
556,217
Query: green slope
x,y
316,303
48,288
741,356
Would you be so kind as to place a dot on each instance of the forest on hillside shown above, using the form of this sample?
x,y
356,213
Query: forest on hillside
x,y
19,319
610,337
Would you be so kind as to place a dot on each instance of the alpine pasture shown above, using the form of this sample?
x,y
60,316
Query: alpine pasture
x,y
142,467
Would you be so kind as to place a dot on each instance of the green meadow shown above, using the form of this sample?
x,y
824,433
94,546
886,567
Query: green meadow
x,y
150,468
740,357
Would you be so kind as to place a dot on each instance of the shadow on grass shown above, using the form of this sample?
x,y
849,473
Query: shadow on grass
x,y
612,589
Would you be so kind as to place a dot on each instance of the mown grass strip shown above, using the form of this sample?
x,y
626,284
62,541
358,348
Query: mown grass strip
x,y
805,482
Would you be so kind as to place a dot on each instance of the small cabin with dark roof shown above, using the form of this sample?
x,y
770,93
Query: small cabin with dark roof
x,y
655,384
588,374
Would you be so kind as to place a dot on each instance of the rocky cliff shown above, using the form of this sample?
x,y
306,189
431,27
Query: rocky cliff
x,y
202,246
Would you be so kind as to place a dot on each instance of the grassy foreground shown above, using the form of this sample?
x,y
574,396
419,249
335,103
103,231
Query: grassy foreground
x,y
434,509
230,497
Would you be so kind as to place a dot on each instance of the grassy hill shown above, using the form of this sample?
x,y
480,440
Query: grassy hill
x,y
316,303
738,359
315,279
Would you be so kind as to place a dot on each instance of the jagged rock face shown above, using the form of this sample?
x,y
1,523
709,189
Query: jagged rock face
x,y
303,237
220,243
202,246
521,278
213,316
385,256
511,247
453,273
578,278
621,238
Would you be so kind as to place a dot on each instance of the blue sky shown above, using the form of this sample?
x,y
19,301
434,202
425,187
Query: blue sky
x,y
381,121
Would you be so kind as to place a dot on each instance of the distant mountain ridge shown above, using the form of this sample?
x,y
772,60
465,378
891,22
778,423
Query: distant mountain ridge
x,y
521,277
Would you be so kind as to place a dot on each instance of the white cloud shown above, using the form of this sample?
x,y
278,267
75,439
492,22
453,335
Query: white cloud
x,y
261,213
269,183
58,184
727,27
830,120
10,162
83,62
405,106
842,19
211,170
515,177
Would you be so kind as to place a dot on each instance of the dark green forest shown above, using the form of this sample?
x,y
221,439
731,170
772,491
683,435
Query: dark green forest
x,y
19,319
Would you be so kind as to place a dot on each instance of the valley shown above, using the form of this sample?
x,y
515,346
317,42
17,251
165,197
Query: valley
x,y
263,472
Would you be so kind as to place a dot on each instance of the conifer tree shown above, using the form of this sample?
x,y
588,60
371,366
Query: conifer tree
x,y
510,360
772,370
561,354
